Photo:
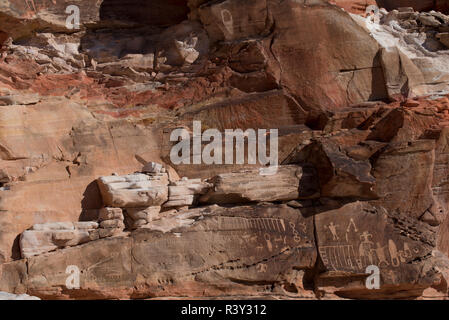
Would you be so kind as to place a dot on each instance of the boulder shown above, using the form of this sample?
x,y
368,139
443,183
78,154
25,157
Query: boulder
x,y
339,175
139,217
418,5
152,167
444,38
110,214
136,190
11,296
42,238
185,192
253,185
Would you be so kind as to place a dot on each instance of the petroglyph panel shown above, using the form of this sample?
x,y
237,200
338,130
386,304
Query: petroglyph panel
x,y
252,243
358,235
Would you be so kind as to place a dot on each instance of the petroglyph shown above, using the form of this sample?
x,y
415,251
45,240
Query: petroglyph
x,y
258,224
353,248
333,229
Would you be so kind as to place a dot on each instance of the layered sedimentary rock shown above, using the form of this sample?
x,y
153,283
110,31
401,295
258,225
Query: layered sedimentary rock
x,y
420,5
10,296
131,191
46,237
361,108
185,192
413,54
277,184
139,217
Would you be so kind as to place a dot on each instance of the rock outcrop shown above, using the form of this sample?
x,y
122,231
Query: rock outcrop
x,y
11,296
420,5
50,236
135,190
360,104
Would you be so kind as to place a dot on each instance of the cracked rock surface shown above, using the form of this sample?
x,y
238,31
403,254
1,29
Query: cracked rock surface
x,y
360,103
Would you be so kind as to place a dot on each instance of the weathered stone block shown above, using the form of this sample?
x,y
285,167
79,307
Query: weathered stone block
x,y
110,213
185,192
135,190
250,185
112,224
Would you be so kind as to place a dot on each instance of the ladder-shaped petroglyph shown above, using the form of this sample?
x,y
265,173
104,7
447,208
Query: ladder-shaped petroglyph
x,y
268,233
258,224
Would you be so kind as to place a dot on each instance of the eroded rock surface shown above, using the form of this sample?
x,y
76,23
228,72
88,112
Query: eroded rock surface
x,y
86,179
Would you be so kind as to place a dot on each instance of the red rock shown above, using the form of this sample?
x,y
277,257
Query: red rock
x,y
361,119
411,103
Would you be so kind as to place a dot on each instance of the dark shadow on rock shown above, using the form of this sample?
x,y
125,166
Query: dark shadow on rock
x,y
418,5
145,12
91,202
131,27
15,250
309,184
3,38
379,90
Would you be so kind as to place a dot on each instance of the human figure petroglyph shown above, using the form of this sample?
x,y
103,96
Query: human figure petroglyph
x,y
365,248
383,253
333,229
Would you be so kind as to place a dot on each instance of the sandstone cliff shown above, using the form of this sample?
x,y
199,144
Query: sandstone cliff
x,y
360,103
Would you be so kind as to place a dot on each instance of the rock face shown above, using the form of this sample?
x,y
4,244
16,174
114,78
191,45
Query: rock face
x,y
411,40
359,103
